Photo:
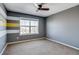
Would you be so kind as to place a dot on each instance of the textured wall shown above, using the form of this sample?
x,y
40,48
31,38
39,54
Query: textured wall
x,y
2,29
13,31
64,26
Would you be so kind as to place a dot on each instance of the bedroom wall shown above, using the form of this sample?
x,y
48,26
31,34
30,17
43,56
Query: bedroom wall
x,y
64,27
2,28
13,32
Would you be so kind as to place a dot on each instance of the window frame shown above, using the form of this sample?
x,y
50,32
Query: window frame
x,y
30,19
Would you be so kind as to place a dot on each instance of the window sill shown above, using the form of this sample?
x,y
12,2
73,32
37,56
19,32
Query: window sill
x,y
28,34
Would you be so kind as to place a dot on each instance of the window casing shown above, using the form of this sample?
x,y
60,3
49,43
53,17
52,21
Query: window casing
x,y
29,26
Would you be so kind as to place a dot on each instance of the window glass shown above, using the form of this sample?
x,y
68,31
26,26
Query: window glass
x,y
24,30
28,27
34,30
24,22
34,23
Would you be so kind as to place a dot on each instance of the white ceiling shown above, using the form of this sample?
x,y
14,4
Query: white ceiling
x,y
29,8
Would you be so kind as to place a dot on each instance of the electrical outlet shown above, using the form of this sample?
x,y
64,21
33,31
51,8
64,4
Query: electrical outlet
x,y
17,38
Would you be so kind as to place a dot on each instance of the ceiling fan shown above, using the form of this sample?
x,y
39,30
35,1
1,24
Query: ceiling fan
x,y
40,6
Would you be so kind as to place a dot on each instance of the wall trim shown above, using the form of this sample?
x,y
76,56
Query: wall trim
x,y
18,42
3,49
63,43
25,40
37,39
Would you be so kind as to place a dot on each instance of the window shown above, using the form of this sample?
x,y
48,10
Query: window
x,y
28,27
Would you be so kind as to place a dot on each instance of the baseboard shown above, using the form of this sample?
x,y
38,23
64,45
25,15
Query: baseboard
x,y
3,49
36,39
63,44
19,42
25,40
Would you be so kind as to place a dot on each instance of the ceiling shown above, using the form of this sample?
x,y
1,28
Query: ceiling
x,y
29,8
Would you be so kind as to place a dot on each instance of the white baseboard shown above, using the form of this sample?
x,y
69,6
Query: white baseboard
x,y
18,42
25,40
37,39
3,49
63,43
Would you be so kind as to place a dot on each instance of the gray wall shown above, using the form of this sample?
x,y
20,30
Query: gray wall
x,y
16,36
2,28
64,26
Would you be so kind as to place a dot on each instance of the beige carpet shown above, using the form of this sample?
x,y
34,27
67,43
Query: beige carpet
x,y
39,47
